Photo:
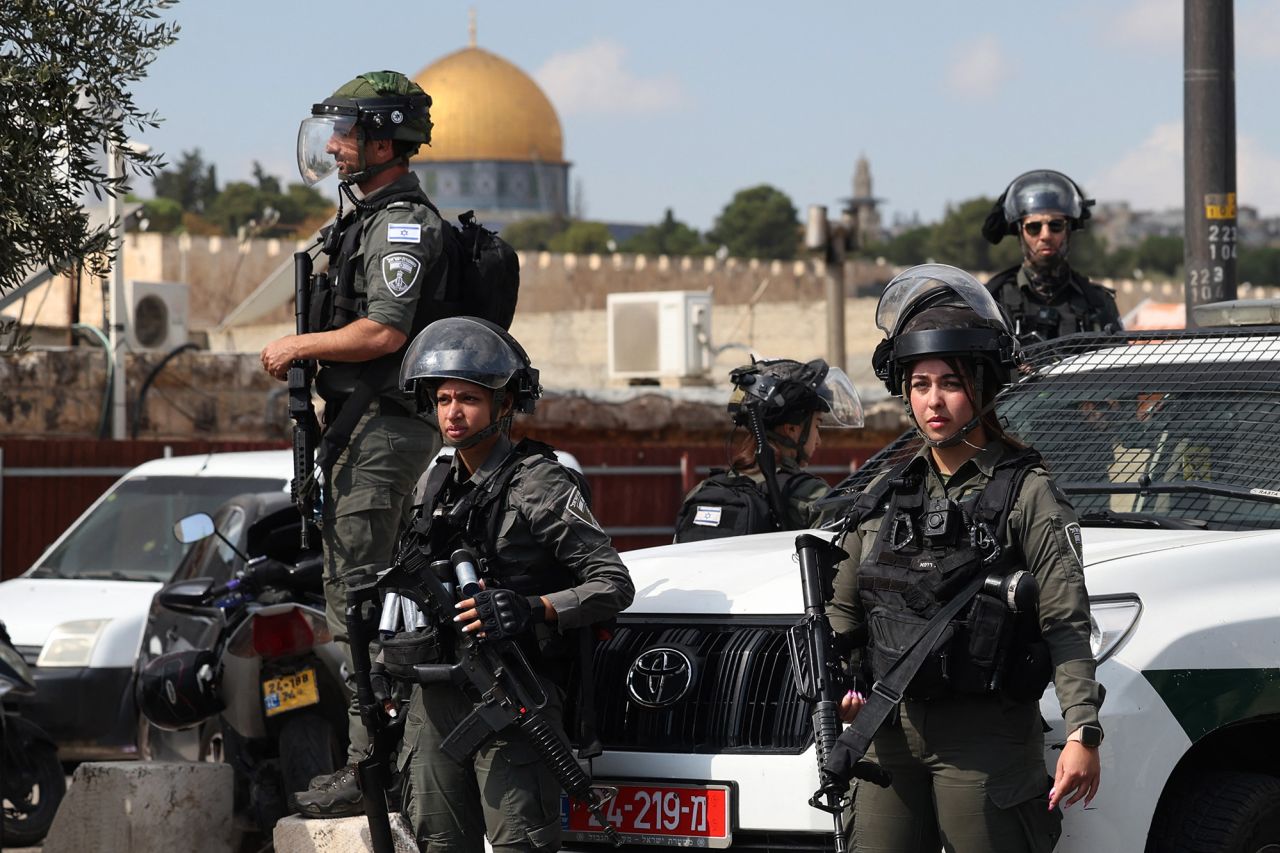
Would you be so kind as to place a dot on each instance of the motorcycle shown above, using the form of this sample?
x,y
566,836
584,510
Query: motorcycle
x,y
272,679
31,776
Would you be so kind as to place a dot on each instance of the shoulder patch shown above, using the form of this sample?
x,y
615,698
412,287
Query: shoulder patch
x,y
1076,541
577,510
400,272
403,232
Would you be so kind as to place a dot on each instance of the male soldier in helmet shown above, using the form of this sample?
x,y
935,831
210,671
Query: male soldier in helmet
x,y
549,573
1044,296
385,260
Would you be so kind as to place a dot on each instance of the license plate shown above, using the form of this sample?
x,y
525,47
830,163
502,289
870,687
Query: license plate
x,y
296,690
662,814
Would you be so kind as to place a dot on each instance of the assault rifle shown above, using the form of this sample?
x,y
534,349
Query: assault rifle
x,y
306,428
815,669
511,694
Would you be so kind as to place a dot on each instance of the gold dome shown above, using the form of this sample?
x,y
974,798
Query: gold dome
x,y
485,108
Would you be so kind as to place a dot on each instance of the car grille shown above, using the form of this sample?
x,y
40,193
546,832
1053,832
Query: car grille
x,y
741,698
29,654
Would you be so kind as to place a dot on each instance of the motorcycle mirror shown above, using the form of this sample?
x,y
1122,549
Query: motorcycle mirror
x,y
191,596
193,528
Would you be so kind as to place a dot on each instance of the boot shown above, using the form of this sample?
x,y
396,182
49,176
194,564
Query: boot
x,y
334,795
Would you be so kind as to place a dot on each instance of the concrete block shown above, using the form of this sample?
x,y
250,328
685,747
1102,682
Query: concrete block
x,y
145,807
297,834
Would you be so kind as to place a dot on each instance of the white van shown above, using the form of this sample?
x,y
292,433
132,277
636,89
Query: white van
x,y
77,615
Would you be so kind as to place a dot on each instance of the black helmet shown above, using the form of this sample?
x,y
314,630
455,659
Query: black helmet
x,y
1038,191
787,392
939,311
179,690
474,350
380,104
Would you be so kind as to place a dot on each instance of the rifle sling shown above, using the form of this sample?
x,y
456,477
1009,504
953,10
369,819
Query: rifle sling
x,y
886,693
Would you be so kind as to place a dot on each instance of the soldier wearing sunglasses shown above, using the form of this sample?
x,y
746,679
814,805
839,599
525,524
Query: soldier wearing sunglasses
x,y
1044,296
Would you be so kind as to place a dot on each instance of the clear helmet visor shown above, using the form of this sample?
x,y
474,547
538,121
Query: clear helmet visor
x,y
933,284
314,162
459,348
844,406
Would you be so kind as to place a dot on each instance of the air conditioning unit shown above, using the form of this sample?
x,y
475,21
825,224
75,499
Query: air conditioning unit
x,y
659,335
157,318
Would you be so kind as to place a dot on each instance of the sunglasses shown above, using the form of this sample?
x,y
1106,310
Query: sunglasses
x,y
1056,226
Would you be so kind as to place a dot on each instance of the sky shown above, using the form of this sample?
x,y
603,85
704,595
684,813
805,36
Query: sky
x,y
681,104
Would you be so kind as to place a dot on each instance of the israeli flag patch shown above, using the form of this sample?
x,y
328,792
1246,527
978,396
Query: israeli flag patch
x,y
403,232
708,516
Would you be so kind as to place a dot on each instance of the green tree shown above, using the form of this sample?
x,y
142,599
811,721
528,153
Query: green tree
x,y
533,235
162,214
668,237
760,222
958,240
268,184
906,249
1158,254
65,71
1259,266
192,183
583,238
238,203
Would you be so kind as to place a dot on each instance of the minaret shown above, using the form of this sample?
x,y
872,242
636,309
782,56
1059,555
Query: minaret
x,y
862,207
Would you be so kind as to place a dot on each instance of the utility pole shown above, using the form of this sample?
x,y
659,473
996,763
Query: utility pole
x,y
1209,146
116,315
829,240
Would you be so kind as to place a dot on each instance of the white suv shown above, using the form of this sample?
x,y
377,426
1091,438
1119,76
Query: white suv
x,y
1169,444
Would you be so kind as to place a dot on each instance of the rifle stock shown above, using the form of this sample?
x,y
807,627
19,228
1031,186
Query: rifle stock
x,y
306,429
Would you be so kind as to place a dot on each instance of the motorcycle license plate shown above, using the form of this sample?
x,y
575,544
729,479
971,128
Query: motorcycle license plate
x,y
659,814
296,690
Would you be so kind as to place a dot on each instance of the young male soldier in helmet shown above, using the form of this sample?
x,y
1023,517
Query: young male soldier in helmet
x,y
971,539
1043,296
385,261
549,573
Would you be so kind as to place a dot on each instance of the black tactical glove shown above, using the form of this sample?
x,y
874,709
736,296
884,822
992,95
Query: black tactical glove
x,y
506,614
842,766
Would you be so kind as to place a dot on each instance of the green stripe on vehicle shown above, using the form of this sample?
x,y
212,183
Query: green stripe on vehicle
x,y
1202,700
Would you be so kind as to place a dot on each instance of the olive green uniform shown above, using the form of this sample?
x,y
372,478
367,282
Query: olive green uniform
x,y
545,528
976,762
801,494
369,485
1080,305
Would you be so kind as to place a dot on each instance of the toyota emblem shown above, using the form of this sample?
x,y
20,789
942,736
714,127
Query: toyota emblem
x,y
660,677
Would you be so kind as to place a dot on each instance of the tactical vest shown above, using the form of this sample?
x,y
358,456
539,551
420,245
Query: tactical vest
x,y
336,302
473,520
927,551
1082,311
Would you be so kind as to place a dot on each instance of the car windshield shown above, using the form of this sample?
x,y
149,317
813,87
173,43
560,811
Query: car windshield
x,y
1172,429
129,536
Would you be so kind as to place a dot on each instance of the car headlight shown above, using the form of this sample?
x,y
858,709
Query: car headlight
x,y
1111,620
71,643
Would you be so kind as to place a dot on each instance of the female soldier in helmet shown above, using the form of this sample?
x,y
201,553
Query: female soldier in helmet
x,y
968,555
778,405
549,572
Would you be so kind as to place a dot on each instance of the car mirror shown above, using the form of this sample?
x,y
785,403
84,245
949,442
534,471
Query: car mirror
x,y
190,596
193,528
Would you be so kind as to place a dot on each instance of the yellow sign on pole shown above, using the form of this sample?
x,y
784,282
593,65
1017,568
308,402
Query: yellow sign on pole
x,y
1220,206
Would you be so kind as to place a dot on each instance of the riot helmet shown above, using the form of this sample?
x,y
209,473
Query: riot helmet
x,y
1037,191
474,350
179,690
939,311
787,392
770,393
377,105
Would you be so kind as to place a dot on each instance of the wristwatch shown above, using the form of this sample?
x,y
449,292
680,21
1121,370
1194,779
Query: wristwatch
x,y
1087,736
